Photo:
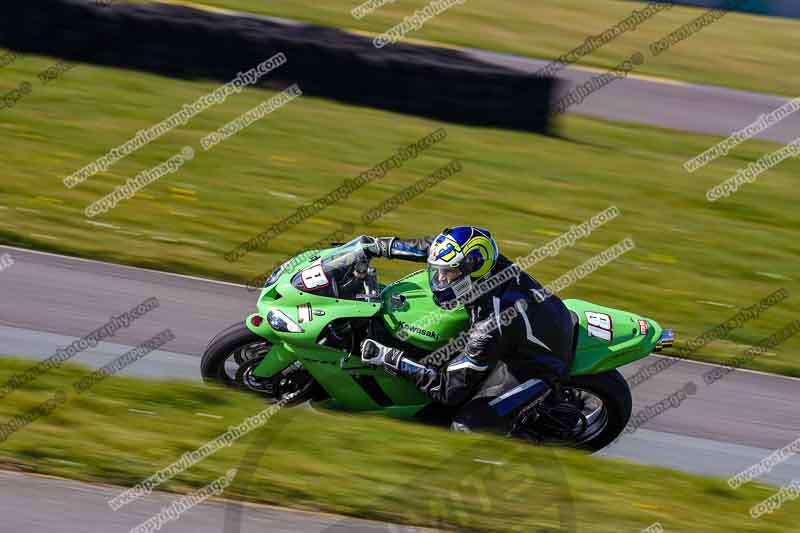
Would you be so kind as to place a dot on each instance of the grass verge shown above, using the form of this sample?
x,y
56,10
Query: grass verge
x,y
124,429
694,263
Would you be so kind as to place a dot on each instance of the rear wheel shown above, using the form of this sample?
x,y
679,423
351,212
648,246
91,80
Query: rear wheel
x,y
233,355
593,412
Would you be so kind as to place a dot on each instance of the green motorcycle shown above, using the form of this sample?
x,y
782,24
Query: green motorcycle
x,y
315,310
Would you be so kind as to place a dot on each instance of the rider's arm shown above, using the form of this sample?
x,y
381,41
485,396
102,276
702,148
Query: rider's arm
x,y
407,249
458,381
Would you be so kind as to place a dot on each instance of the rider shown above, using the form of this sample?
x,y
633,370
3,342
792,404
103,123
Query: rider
x,y
506,349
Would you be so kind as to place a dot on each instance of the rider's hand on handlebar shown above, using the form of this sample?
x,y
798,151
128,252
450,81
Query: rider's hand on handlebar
x,y
373,353
378,246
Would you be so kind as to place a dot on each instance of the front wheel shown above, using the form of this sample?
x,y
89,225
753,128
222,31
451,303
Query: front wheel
x,y
233,355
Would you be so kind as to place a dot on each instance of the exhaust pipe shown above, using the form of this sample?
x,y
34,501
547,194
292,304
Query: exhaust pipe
x,y
665,340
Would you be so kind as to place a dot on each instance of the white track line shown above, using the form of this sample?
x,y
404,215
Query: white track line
x,y
705,363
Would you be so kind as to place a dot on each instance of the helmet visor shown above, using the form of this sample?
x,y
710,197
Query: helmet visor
x,y
448,283
441,277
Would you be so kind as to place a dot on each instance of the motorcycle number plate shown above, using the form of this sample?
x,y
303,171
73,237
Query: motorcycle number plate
x,y
314,277
599,326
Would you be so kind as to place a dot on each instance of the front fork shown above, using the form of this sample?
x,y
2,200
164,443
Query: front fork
x,y
280,357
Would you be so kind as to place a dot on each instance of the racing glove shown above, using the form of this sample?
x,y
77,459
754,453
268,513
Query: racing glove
x,y
379,246
376,354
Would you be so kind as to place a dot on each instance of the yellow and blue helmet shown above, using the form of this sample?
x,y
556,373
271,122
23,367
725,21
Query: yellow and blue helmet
x,y
458,258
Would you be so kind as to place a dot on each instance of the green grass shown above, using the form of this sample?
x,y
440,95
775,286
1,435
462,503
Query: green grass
x,y
740,51
694,263
123,430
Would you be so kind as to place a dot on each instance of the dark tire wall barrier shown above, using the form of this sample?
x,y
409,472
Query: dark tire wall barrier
x,y
774,8
189,43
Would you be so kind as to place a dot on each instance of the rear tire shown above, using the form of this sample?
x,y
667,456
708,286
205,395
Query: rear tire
x,y
615,393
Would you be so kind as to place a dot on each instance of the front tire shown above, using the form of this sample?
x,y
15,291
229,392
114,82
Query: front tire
x,y
234,353
220,349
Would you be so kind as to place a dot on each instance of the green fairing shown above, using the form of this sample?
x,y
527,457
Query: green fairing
x,y
419,322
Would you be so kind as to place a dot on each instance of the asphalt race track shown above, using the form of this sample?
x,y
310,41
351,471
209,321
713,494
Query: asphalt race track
x,y
50,300
29,501
665,103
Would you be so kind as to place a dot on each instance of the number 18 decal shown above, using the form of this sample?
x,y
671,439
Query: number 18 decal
x,y
599,325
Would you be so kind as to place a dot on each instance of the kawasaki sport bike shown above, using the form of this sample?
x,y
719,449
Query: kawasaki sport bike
x,y
303,342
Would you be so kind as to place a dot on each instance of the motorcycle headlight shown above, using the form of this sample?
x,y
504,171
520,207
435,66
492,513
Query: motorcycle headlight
x,y
280,322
